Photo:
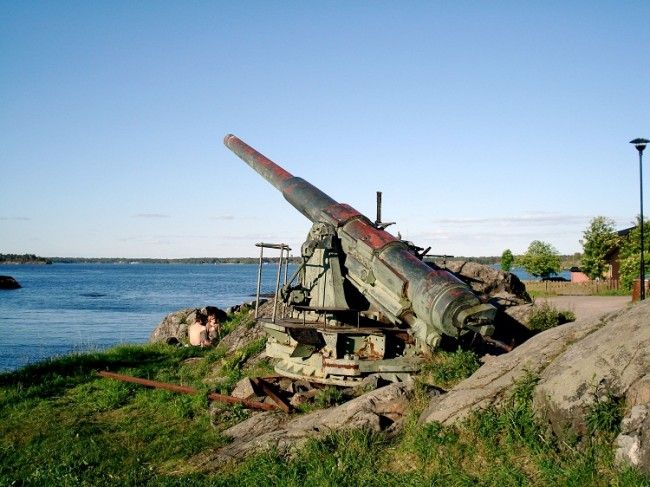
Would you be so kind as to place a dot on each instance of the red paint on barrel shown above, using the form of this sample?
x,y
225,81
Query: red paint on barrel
x,y
262,164
341,213
375,238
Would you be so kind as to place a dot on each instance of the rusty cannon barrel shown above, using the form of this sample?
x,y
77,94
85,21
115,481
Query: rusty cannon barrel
x,y
407,291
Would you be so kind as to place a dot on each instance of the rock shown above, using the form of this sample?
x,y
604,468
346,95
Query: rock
x,y
633,443
491,383
638,393
521,313
174,325
244,389
576,364
248,331
611,360
379,410
302,397
8,282
242,336
502,288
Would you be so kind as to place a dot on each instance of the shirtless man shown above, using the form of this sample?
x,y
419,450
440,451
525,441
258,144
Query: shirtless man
x,y
197,332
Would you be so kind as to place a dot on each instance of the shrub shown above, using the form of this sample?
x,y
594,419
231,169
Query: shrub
x,y
547,316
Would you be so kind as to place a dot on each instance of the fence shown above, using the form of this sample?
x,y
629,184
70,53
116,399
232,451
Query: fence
x,y
572,288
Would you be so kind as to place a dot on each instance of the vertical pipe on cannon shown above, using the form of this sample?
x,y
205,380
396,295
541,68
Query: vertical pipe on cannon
x,y
378,221
277,284
286,274
259,282
286,268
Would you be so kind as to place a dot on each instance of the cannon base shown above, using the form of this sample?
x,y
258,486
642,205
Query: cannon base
x,y
340,355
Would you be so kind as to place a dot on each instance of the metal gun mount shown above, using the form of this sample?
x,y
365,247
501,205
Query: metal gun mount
x,y
362,301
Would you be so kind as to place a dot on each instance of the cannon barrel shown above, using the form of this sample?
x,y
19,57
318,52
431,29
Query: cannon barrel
x,y
305,197
431,301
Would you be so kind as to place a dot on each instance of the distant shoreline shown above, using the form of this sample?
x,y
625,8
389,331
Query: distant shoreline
x,y
33,260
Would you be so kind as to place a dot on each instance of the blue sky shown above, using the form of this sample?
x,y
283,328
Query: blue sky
x,y
486,124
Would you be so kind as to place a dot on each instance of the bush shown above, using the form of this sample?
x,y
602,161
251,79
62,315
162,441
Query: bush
x,y
547,316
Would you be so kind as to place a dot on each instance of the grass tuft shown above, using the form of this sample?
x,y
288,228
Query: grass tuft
x,y
446,369
547,316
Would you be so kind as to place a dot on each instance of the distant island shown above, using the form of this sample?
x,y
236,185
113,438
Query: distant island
x,y
34,259
567,260
23,259
187,260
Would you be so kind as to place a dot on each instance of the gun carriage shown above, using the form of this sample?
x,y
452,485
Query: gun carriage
x,y
361,301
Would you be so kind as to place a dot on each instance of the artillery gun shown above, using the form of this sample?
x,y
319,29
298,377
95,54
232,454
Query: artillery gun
x,y
362,301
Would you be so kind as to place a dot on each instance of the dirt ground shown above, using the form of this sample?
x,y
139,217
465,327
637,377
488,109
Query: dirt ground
x,y
587,306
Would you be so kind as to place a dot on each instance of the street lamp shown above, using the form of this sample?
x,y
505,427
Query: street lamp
x,y
640,145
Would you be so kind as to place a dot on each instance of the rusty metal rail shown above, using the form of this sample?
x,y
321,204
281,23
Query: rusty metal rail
x,y
213,396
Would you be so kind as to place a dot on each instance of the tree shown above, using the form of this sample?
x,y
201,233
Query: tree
x,y
541,259
599,238
630,254
507,260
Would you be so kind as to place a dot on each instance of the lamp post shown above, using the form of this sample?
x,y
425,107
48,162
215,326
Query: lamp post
x,y
640,145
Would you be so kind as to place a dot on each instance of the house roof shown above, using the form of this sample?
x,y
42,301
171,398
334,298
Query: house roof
x,y
625,232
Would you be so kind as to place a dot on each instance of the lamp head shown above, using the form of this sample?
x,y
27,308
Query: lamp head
x,y
640,143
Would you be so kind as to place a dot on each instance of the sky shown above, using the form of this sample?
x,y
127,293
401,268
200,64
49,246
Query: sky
x,y
486,125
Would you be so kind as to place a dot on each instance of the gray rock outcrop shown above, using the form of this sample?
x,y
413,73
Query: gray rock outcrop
x,y
576,364
609,361
502,288
633,443
173,326
490,384
379,410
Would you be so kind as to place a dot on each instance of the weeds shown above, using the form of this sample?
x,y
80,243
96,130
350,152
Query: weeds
x,y
328,396
605,414
446,369
546,316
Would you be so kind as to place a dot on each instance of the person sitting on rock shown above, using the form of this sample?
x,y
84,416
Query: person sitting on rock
x,y
213,328
198,333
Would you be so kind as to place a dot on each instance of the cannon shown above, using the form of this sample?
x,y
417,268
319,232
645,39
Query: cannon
x,y
361,301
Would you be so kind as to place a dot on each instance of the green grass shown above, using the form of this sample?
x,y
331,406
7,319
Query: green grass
x,y
63,425
446,369
496,447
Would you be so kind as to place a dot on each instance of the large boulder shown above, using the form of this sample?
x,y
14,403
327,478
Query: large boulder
x,y
611,361
8,282
380,410
173,327
501,288
577,364
491,384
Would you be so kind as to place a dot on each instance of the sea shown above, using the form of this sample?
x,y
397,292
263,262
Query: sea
x,y
65,308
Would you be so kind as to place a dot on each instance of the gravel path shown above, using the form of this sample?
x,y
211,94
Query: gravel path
x,y
587,306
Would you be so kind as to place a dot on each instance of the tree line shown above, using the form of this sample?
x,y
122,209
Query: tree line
x,y
600,241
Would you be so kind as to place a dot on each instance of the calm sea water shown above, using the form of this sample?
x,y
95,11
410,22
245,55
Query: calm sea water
x,y
77,307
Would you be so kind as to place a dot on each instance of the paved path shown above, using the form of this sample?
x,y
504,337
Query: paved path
x,y
587,306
